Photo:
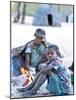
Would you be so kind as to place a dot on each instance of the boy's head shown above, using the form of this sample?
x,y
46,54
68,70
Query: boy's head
x,y
53,51
39,36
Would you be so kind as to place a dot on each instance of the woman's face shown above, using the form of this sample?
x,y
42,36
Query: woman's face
x,y
51,53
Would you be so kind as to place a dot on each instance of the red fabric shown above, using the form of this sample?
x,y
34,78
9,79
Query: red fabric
x,y
26,82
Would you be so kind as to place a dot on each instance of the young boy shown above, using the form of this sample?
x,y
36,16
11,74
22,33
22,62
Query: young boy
x,y
59,80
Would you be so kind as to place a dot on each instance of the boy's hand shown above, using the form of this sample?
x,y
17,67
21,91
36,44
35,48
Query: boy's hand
x,y
41,66
44,70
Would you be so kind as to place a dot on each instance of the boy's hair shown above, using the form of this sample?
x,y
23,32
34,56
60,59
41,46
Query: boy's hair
x,y
55,48
40,32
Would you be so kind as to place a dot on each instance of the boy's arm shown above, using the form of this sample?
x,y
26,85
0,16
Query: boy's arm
x,y
27,64
53,65
42,66
27,55
27,60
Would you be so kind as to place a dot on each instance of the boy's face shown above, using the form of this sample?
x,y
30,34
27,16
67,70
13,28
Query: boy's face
x,y
38,40
51,53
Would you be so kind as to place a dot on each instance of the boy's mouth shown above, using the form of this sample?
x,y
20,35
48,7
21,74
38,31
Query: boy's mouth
x,y
49,56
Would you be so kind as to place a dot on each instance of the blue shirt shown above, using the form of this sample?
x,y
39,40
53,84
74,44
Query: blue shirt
x,y
36,53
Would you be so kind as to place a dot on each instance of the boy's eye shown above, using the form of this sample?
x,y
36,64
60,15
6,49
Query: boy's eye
x,y
50,53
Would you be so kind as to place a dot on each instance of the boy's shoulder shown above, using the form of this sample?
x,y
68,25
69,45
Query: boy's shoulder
x,y
30,44
47,43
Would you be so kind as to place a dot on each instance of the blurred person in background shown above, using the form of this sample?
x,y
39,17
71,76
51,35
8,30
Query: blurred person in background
x,y
19,13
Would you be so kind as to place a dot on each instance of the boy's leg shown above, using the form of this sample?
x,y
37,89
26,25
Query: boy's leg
x,y
31,85
37,85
